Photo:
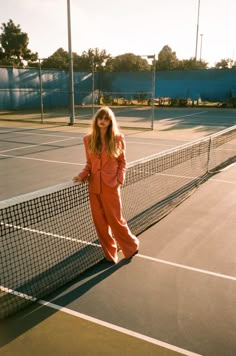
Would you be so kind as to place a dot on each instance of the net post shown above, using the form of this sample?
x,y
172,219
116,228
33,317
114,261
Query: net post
x,y
209,154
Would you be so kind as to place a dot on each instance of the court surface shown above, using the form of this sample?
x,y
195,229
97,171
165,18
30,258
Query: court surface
x,y
177,296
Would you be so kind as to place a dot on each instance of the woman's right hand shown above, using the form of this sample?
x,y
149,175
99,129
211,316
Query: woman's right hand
x,y
77,179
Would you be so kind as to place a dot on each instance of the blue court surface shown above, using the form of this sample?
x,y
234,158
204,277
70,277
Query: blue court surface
x,y
175,297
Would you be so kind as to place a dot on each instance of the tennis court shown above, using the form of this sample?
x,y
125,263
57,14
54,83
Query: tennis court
x,y
177,294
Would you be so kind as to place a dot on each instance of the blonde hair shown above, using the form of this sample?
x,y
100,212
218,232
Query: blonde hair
x,y
113,144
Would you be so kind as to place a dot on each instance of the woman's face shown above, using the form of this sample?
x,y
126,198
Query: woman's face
x,y
103,122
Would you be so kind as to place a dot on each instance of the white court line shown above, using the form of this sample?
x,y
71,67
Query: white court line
x,y
220,275
42,160
178,265
37,145
100,322
18,294
32,134
17,227
222,170
4,132
150,144
170,175
193,114
24,130
222,181
230,166
118,328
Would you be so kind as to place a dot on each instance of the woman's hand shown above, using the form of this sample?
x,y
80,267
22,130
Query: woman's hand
x,y
77,179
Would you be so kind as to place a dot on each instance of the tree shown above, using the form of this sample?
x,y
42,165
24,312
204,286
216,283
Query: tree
x,y
58,60
167,59
190,64
83,63
93,57
225,64
14,45
127,62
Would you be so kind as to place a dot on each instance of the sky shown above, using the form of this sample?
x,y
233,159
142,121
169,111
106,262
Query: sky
x,y
142,27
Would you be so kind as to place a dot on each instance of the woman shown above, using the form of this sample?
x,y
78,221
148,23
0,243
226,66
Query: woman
x,y
105,170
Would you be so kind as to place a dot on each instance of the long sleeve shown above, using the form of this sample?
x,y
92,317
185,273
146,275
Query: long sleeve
x,y
86,172
122,163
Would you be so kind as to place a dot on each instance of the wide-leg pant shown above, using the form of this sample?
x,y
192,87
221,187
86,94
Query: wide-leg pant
x,y
111,227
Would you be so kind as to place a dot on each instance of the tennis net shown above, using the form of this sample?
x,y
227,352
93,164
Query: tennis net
x,y
48,238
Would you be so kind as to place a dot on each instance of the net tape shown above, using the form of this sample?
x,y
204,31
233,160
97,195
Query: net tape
x,y
48,238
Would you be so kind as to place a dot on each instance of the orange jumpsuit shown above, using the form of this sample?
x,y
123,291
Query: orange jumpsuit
x,y
104,175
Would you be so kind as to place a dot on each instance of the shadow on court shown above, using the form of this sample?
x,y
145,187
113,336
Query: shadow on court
x,y
203,119
26,319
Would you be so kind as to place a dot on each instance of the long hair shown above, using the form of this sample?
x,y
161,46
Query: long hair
x,y
112,141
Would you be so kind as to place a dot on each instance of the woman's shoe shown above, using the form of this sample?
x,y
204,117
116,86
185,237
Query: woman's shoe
x,y
135,253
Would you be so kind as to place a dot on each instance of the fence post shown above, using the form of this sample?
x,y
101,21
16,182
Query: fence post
x,y
41,90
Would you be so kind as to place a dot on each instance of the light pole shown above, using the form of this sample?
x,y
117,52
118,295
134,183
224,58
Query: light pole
x,y
153,86
72,106
201,47
198,13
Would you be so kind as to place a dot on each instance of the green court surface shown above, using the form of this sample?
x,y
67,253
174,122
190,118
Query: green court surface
x,y
44,331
